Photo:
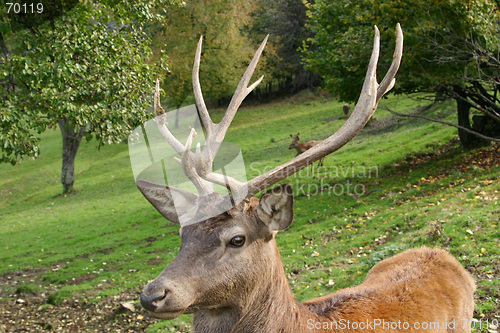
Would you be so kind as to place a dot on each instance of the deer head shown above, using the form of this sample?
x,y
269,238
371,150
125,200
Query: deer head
x,y
230,257
295,141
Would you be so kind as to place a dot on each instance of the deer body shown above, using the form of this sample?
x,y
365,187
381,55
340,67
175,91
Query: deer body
x,y
228,272
370,305
302,147
245,289
346,109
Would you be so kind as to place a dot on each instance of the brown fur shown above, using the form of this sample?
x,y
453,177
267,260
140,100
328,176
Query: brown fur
x,y
303,146
245,290
425,285
346,109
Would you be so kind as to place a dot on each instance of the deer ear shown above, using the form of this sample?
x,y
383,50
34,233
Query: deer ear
x,y
162,197
275,208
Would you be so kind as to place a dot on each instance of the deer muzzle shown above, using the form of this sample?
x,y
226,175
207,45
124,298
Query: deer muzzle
x,y
165,299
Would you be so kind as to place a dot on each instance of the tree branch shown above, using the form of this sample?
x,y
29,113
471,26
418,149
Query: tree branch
x,y
10,86
474,99
441,122
487,101
4,47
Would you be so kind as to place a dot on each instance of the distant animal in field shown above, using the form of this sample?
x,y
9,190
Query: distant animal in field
x,y
346,109
303,146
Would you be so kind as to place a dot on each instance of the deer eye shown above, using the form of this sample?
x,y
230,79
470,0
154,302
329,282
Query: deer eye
x,y
237,241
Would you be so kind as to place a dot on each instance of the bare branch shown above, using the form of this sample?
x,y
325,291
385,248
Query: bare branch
x,y
474,102
442,122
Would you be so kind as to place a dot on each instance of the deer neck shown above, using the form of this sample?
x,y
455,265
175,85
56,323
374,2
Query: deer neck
x,y
300,148
268,307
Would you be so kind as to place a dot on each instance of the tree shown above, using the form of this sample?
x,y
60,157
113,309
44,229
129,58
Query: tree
x,y
285,22
226,48
85,70
451,47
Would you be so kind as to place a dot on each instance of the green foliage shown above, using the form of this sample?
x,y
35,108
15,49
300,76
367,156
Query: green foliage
x,y
226,48
340,48
109,240
88,66
15,137
33,13
440,37
284,21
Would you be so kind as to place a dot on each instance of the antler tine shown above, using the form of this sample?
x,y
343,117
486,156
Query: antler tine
x,y
157,108
201,174
189,170
203,170
201,165
160,117
389,80
371,93
215,133
239,95
198,95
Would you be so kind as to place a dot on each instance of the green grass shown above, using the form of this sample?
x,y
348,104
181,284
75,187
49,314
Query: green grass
x,y
391,188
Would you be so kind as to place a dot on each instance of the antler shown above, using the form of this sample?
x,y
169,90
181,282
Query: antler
x,y
371,94
198,165
215,133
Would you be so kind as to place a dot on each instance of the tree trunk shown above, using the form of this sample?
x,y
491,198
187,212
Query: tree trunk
x,y
177,117
6,53
463,111
71,142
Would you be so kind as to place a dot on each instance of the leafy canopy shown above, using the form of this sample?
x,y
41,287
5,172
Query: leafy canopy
x,y
434,30
226,51
88,66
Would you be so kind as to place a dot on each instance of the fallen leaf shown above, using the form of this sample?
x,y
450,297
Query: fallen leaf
x,y
128,305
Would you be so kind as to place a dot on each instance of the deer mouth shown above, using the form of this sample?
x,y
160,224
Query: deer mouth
x,y
166,315
163,305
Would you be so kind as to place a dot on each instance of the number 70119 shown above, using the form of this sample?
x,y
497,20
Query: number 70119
x,y
16,8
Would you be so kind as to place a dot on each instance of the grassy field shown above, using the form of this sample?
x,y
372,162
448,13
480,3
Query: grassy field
x,y
401,183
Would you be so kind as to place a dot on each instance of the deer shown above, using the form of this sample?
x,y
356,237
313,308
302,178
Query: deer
x,y
228,272
346,109
304,146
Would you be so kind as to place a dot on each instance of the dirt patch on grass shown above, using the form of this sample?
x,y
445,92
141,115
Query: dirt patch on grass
x,y
24,307
31,313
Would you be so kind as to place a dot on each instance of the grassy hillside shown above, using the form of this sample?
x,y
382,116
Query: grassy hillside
x,y
70,261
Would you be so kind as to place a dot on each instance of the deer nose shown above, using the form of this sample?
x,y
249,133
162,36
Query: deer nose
x,y
150,303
